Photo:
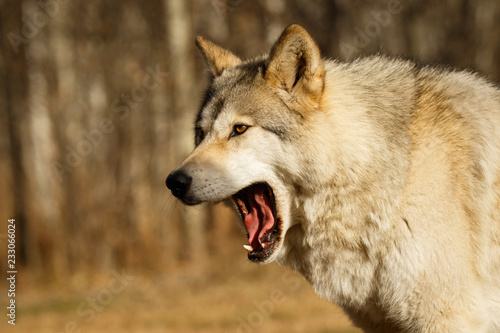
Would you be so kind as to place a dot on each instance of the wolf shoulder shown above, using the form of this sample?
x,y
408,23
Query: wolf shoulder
x,y
394,92
404,81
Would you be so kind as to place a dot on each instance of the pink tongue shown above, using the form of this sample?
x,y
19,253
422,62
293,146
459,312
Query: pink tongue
x,y
260,216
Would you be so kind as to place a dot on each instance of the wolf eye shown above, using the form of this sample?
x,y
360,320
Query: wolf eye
x,y
240,129
198,135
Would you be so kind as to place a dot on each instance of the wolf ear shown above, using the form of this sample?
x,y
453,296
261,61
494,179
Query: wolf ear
x,y
295,65
217,58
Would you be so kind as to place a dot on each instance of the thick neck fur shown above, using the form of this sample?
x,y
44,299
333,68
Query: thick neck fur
x,y
395,212
348,222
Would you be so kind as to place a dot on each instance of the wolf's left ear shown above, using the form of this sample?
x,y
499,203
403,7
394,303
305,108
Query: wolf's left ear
x,y
295,65
217,58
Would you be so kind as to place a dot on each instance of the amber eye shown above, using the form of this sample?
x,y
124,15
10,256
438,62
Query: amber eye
x,y
240,129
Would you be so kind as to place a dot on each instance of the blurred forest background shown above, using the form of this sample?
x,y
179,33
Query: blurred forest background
x,y
97,101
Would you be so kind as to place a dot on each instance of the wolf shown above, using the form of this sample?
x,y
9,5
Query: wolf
x,y
377,179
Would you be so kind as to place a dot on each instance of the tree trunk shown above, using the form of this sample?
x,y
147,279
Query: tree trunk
x,y
180,40
14,87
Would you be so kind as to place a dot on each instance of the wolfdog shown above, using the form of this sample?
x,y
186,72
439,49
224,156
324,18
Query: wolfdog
x,y
376,179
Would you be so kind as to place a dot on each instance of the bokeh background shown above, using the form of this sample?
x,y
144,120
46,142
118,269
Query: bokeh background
x,y
97,100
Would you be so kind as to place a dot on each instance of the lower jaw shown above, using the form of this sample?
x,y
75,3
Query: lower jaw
x,y
262,254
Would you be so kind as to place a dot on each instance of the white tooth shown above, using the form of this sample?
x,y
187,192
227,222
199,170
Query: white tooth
x,y
264,245
248,248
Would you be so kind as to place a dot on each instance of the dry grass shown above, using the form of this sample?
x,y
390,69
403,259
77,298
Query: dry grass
x,y
236,296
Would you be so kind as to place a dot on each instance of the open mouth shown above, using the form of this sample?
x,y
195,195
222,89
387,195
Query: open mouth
x,y
257,207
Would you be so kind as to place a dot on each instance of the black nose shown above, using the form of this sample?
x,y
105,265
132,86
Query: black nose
x,y
178,182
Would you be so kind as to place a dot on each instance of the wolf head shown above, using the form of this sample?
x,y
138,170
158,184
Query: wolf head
x,y
246,133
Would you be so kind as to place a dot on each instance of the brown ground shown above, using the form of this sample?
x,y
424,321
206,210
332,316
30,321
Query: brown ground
x,y
236,297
